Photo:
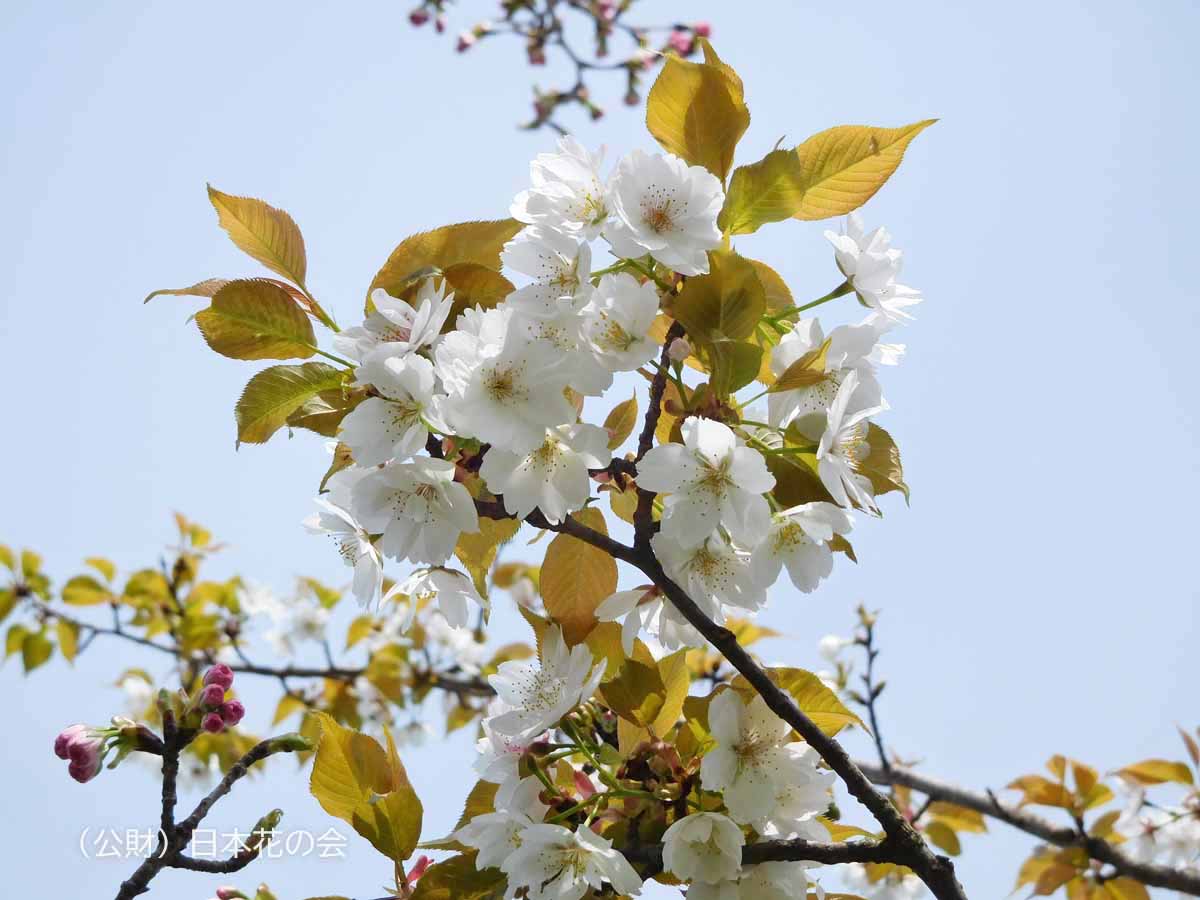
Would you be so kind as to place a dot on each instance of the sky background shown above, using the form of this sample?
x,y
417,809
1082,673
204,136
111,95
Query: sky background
x,y
1039,595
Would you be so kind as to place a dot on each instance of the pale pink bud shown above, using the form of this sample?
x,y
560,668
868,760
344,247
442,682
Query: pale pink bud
x,y
414,874
702,29
232,712
213,723
679,350
62,743
681,42
212,695
537,56
632,98
219,674
439,23
466,41
417,17
583,784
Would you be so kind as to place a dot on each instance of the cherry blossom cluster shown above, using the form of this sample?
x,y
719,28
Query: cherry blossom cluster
x,y
492,397
539,832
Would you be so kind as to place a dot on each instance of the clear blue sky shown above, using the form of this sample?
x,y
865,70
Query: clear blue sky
x,y
1039,594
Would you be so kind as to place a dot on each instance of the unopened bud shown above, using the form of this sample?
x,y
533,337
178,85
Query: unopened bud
x,y
213,723
291,743
679,350
263,831
229,893
232,712
212,695
681,42
220,674
701,29
466,41
414,874
632,98
417,17
439,23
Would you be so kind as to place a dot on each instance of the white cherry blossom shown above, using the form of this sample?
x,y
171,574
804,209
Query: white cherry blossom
x,y
851,347
455,593
555,863
713,573
799,539
844,448
567,193
704,846
554,477
395,424
354,546
538,695
559,266
500,755
498,834
750,763
892,886
418,507
616,323
509,398
664,207
871,265
711,481
395,326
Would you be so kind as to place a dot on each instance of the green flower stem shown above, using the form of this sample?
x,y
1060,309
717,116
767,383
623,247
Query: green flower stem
x,y
336,359
840,291
641,267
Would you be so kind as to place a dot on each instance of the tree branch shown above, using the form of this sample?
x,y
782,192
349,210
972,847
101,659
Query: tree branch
x,y
1151,874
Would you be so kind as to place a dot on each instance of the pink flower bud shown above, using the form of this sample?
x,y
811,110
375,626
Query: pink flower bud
x,y
232,712
63,742
417,17
439,23
212,695
414,874
537,56
466,41
681,42
83,747
701,29
679,350
219,674
213,723
632,98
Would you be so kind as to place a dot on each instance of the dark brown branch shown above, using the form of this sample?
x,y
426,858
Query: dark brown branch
x,y
791,851
988,804
643,514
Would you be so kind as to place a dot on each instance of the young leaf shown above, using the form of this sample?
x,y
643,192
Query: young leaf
x,y
734,364
436,251
265,233
697,111
815,700
84,590
35,650
1157,771
620,422
354,779
457,878
206,288
725,303
576,578
68,639
478,551
882,465
769,190
843,167
275,393
807,371
256,319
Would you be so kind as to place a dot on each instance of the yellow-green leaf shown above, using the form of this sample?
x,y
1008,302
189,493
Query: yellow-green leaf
x,y
265,233
35,650
843,167
478,551
807,371
104,566
815,700
732,364
474,285
620,421
275,393
1125,888
356,780
882,465
206,288
288,705
31,563
1157,771
576,578
637,693
68,639
957,817
84,590
256,319
942,835
6,557
769,190
724,304
436,251
697,111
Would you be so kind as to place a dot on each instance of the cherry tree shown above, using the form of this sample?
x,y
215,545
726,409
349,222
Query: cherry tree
x,y
635,736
